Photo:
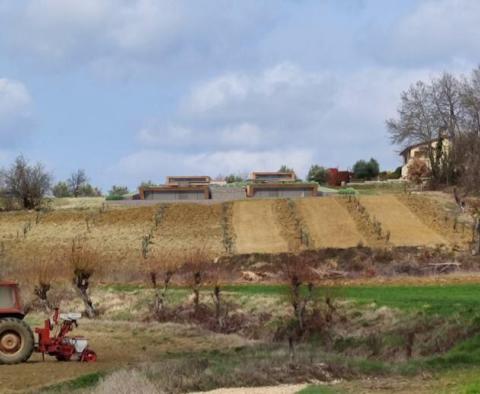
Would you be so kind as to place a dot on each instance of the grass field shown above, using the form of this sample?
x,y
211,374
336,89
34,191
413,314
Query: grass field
x,y
122,341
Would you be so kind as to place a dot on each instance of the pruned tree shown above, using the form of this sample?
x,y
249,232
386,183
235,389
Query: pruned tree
x,y
297,273
25,183
213,279
300,279
160,267
196,261
84,261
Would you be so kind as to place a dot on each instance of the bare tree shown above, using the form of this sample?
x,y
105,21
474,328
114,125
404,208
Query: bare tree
x,y
196,262
161,267
26,183
84,262
437,110
298,273
76,181
430,112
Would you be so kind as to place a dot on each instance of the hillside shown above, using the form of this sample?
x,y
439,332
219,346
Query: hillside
x,y
256,226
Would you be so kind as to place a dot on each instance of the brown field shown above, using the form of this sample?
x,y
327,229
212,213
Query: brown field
x,y
329,223
257,228
190,226
404,226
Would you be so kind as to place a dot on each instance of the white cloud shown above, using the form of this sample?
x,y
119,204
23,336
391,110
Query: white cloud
x,y
15,111
156,164
116,37
157,134
437,31
280,115
244,134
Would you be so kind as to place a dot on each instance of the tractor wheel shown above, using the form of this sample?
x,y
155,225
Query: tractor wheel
x,y
16,341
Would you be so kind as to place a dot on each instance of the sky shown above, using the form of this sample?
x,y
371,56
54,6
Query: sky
x,y
132,90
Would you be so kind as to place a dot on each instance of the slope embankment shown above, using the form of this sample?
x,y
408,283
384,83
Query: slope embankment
x,y
257,228
329,223
404,226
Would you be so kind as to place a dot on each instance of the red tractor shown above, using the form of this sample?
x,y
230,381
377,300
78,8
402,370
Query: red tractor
x,y
17,340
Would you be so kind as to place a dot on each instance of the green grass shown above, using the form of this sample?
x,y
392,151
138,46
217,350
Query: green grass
x,y
378,188
82,382
432,299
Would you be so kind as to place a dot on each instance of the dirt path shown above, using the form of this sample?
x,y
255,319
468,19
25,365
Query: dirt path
x,y
329,223
256,227
118,344
404,226
283,389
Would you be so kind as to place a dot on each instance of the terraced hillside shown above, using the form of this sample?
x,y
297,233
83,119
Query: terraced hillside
x,y
255,226
329,223
404,226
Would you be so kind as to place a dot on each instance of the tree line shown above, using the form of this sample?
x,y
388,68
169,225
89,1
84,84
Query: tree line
x,y
444,114
25,185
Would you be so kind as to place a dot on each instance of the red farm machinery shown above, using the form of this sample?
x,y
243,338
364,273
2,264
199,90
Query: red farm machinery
x,y
17,341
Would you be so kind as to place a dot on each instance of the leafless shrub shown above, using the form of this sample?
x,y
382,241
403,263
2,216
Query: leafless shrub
x,y
159,215
45,274
84,261
221,308
26,228
228,237
196,261
297,273
161,266
147,241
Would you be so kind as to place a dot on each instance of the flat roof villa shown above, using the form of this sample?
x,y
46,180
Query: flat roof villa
x,y
175,192
282,190
189,180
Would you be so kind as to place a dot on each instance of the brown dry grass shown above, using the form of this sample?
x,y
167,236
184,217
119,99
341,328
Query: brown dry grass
x,y
186,226
404,226
257,227
291,223
439,215
329,223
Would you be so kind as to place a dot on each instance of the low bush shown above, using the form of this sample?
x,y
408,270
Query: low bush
x,y
348,191
114,197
